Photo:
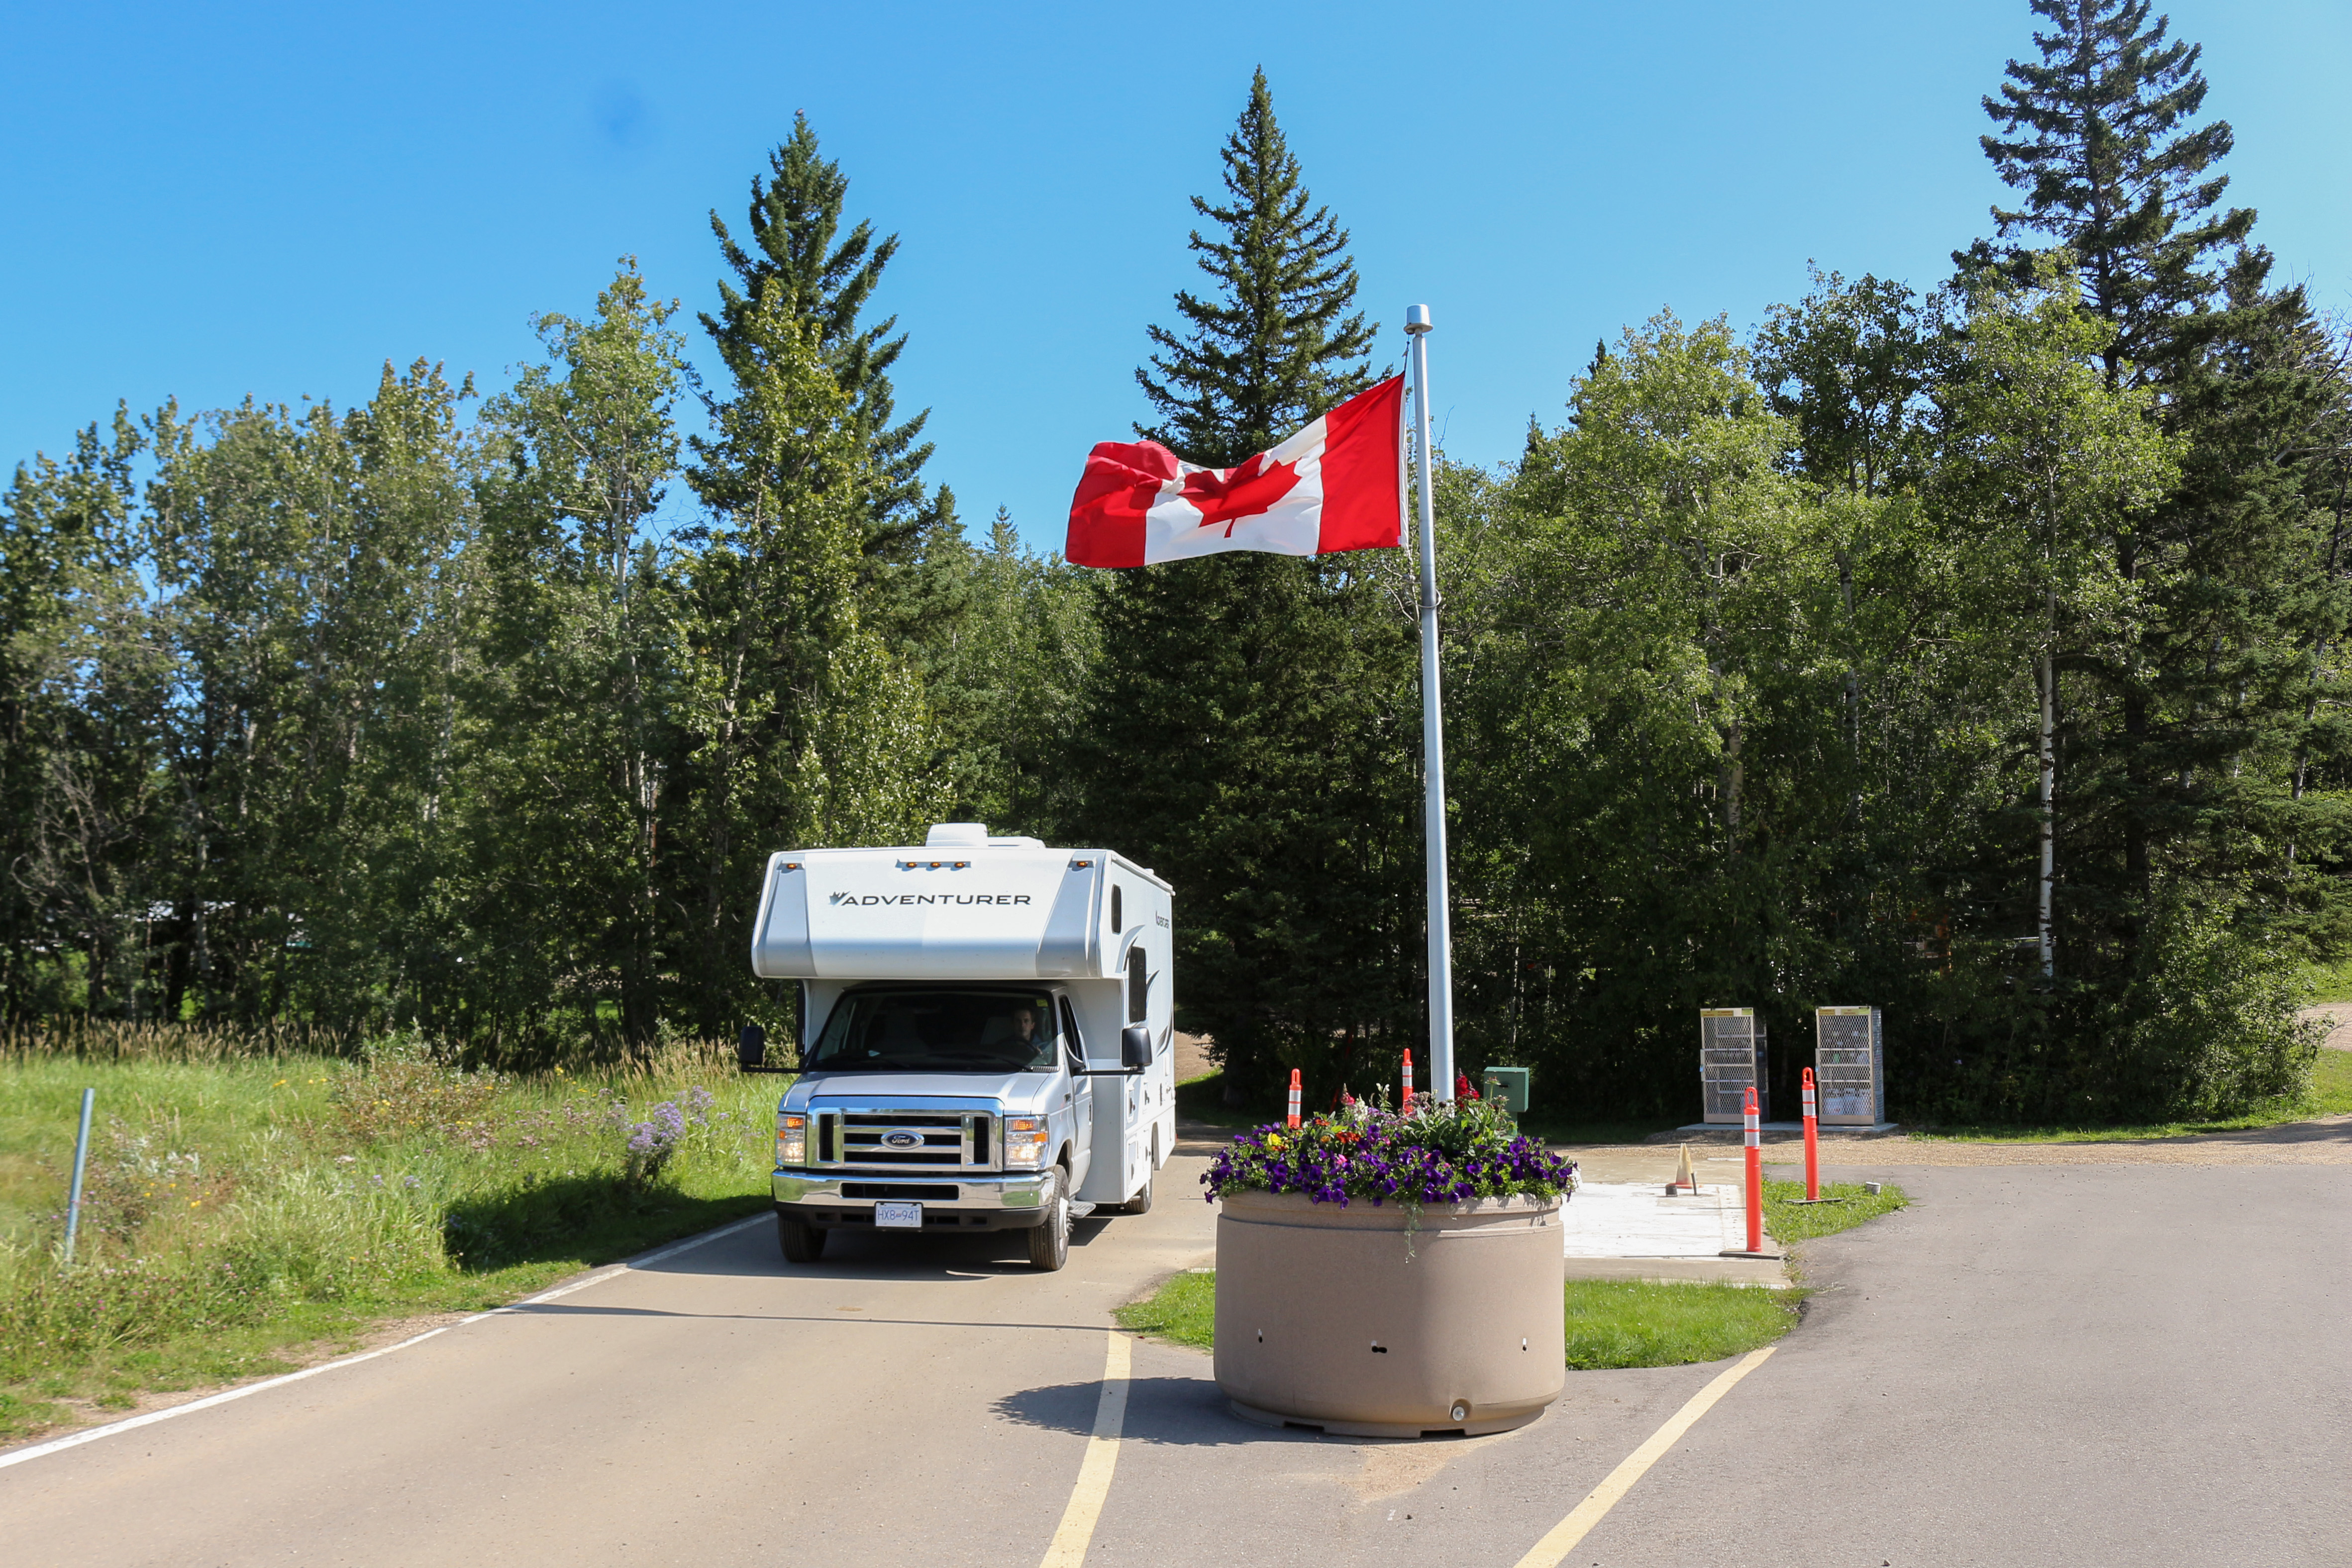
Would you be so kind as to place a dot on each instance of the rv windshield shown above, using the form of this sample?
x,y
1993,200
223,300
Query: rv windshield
x,y
937,1031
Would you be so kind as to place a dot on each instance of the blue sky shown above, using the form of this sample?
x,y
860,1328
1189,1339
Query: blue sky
x,y
205,201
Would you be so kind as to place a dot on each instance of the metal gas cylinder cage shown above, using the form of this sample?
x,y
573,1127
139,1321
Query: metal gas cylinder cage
x,y
1734,1057
1850,1066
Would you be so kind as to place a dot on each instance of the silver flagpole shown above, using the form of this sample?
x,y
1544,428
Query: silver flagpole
x,y
1432,734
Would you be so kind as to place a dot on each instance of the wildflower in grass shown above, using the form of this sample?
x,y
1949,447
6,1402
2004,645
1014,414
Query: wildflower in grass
x,y
652,1142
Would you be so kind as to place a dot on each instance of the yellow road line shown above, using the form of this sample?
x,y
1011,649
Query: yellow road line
x,y
1564,1536
1077,1530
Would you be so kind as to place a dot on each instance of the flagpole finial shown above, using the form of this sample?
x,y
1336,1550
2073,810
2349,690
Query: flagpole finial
x,y
1416,320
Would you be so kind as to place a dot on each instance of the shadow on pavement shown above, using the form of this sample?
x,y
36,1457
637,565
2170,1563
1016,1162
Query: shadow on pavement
x,y
2322,1130
860,1255
1175,1412
568,1310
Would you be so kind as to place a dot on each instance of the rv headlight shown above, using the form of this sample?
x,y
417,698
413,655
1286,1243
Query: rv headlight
x,y
791,1140
1025,1142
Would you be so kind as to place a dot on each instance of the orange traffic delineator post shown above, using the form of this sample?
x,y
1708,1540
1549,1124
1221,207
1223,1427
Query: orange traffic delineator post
x,y
1813,1144
1294,1097
1755,1174
1406,1104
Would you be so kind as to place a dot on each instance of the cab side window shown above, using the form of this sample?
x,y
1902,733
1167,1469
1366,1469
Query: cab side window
x,y
1139,985
1070,1036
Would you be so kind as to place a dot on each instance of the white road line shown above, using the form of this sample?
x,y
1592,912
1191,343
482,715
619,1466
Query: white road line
x,y
77,1439
1077,1530
1563,1537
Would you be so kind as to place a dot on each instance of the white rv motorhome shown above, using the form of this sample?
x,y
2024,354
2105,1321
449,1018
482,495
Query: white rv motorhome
x,y
986,1031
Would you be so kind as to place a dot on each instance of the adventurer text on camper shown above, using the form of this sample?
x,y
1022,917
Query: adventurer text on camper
x,y
930,898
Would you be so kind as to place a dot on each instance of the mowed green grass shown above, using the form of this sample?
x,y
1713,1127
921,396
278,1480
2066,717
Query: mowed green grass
x,y
1789,1218
1611,1322
1183,1311
242,1216
1648,1322
2330,1094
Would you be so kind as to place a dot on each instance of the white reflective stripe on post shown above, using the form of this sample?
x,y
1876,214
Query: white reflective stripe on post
x,y
1755,1138
1808,1099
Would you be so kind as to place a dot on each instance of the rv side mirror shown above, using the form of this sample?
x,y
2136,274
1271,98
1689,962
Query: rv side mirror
x,y
1135,1047
751,1047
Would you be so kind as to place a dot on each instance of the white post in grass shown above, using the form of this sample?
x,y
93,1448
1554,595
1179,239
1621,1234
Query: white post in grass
x,y
1432,732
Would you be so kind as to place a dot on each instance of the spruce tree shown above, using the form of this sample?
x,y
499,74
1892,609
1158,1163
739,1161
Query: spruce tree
x,y
792,237
794,258
2098,135
1253,714
2174,736
1275,349
805,725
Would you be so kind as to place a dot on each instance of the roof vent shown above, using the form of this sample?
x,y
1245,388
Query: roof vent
x,y
957,836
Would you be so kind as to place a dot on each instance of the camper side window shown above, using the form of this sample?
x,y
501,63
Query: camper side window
x,y
1116,909
1139,986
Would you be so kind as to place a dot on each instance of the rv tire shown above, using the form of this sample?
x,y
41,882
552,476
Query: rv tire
x,y
802,1242
1049,1243
1141,1202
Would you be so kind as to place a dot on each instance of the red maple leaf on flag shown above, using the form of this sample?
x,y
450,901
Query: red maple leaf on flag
x,y
1228,496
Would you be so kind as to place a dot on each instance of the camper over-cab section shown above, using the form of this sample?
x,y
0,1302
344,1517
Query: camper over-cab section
x,y
964,906
986,1032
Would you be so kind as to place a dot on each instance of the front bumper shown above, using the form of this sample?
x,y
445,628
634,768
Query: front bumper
x,y
962,1202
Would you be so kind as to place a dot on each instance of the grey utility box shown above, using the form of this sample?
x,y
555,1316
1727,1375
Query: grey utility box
x,y
1850,1066
1732,1060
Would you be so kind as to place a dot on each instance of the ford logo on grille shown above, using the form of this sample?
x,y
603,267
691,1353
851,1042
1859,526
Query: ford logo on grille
x,y
903,1139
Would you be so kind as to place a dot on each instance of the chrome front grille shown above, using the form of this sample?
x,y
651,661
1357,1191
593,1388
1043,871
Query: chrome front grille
x,y
881,1138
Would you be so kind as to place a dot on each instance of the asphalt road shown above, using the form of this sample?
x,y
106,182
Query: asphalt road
x,y
2123,1364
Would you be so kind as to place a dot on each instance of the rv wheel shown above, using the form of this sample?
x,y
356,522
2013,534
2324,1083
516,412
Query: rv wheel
x,y
1049,1244
802,1242
1141,1202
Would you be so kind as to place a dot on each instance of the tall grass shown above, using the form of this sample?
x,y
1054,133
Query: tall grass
x,y
114,1040
241,1187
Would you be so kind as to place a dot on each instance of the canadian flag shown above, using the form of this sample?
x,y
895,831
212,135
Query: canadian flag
x,y
1334,486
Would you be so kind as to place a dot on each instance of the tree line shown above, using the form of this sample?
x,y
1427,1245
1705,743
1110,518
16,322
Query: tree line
x,y
1968,649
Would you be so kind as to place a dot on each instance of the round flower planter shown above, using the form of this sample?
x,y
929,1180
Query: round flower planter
x,y
1374,1322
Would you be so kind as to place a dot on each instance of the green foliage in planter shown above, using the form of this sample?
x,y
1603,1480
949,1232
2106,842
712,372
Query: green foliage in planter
x,y
1435,1152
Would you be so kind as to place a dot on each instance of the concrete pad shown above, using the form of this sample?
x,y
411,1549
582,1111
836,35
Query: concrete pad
x,y
1614,1220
